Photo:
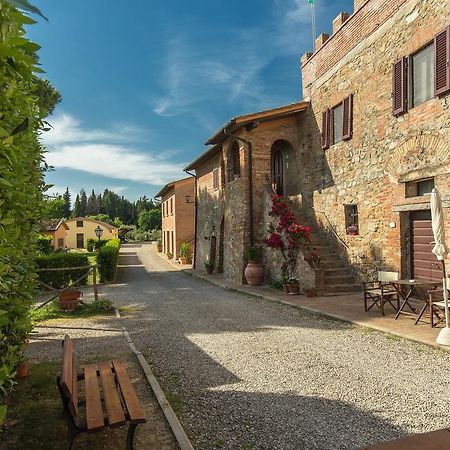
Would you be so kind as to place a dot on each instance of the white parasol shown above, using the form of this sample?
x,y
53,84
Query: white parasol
x,y
441,251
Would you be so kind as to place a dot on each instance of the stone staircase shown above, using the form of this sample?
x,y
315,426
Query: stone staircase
x,y
337,276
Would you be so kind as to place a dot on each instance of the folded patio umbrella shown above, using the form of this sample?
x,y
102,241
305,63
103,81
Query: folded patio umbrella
x,y
441,251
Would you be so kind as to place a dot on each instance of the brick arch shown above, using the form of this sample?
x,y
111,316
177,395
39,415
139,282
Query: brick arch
x,y
417,153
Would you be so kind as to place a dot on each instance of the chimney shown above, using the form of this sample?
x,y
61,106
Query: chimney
x,y
321,39
339,20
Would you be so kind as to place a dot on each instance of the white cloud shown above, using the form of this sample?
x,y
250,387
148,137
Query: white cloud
x,y
106,153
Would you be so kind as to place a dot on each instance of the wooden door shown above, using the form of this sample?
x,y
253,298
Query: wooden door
x,y
80,240
424,263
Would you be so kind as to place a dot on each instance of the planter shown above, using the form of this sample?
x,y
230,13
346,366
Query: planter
x,y
286,288
210,270
293,289
69,300
254,274
311,292
159,248
185,260
22,370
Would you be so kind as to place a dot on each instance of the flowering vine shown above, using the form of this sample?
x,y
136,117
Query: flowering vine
x,y
287,236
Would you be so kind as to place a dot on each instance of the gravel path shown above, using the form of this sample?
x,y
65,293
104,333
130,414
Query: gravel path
x,y
250,374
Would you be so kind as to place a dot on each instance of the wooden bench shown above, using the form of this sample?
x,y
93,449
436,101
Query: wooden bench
x,y
109,397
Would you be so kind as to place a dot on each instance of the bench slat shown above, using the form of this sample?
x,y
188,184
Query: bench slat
x,y
94,412
129,394
67,367
114,408
73,401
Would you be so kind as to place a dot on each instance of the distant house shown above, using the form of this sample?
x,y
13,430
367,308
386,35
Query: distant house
x,y
82,228
56,228
178,214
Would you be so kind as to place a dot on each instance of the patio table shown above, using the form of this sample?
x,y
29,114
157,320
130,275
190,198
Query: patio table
x,y
405,289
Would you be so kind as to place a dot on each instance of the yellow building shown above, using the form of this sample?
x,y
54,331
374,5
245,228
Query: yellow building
x,y
56,229
82,228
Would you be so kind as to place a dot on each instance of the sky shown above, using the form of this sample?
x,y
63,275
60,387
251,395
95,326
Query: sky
x,y
144,83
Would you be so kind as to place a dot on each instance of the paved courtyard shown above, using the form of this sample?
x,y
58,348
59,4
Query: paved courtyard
x,y
244,373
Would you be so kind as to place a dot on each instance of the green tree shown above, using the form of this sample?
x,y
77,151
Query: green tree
x,y
77,207
92,205
48,96
54,208
83,203
149,220
66,198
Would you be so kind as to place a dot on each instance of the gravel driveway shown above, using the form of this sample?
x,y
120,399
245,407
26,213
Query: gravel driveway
x,y
245,373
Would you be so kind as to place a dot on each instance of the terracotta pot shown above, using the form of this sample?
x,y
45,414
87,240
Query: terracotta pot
x,y
22,370
69,300
293,288
254,274
311,292
210,270
159,248
286,288
185,260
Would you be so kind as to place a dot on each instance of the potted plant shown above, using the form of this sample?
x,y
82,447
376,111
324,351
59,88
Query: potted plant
x,y
69,299
159,245
310,292
23,370
352,229
185,253
254,273
293,286
169,255
209,267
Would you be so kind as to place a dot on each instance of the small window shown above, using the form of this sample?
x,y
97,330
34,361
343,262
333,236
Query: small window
x,y
171,206
60,242
419,188
79,223
278,172
235,161
215,174
338,120
351,219
422,75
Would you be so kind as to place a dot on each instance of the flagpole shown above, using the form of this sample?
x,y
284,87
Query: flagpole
x,y
313,23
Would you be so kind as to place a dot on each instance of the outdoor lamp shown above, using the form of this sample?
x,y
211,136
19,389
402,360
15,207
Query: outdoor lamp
x,y
98,232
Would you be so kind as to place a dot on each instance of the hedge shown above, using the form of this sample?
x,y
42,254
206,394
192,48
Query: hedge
x,y
62,279
95,244
107,258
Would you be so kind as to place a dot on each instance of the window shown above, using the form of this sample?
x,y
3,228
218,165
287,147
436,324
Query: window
x,y
171,206
337,123
419,188
278,172
423,75
215,174
351,219
79,223
235,155
60,242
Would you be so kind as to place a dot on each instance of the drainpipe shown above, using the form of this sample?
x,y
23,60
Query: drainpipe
x,y
195,216
250,183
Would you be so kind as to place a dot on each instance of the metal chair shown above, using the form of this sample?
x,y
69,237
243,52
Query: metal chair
x,y
436,304
379,292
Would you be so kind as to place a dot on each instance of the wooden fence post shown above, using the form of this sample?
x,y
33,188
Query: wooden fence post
x,y
94,281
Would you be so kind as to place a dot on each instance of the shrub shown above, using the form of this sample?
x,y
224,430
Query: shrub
x,y
107,258
62,279
155,235
44,245
90,244
185,250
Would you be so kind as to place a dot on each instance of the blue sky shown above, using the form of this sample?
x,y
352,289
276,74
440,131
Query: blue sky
x,y
145,82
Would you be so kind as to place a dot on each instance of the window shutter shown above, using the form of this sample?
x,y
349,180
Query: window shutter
x,y
331,126
216,179
347,114
399,87
442,62
326,129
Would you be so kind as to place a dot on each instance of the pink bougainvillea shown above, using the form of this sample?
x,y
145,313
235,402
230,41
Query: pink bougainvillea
x,y
287,236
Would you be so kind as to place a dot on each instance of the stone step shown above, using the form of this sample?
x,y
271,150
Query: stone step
x,y
334,271
332,264
339,279
341,288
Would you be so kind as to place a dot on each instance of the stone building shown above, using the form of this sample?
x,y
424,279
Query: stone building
x,y
357,157
178,214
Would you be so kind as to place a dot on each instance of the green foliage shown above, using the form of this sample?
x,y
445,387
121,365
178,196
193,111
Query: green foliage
x,y
48,96
250,253
44,245
138,235
107,258
150,220
2,414
21,184
54,208
185,250
62,279
66,197
90,244
155,235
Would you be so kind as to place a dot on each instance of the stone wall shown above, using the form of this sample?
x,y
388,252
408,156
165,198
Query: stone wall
x,y
371,169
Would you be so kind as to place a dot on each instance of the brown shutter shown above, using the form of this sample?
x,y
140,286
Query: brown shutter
x,y
347,113
399,87
216,179
442,62
331,126
325,129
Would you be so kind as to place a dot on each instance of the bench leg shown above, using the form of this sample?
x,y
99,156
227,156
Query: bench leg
x,y
130,435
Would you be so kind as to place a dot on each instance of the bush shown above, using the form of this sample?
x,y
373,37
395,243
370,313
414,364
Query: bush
x,y
90,245
155,235
44,245
185,250
62,279
107,258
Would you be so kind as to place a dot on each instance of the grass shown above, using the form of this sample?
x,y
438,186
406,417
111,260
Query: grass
x,y
35,412
52,311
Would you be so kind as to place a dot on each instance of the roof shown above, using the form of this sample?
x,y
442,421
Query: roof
x,y
52,224
87,219
212,151
170,185
254,118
